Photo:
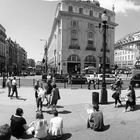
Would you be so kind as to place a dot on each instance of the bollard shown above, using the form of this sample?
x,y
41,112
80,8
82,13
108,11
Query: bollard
x,y
95,98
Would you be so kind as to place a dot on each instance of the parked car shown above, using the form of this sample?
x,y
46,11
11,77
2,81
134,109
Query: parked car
x,y
78,79
109,78
135,80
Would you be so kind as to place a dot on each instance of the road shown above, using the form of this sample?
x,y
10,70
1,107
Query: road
x,y
28,81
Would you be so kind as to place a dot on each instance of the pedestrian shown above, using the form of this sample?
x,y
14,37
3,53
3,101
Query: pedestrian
x,y
9,85
89,83
133,98
39,127
18,124
14,87
56,125
36,89
48,91
116,95
55,96
129,98
94,84
96,120
40,97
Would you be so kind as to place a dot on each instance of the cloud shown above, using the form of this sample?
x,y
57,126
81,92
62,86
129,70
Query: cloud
x,y
121,6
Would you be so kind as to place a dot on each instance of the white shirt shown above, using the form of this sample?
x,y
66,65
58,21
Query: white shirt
x,y
56,126
14,82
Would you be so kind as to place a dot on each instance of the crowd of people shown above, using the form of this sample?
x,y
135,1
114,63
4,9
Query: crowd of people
x,y
40,127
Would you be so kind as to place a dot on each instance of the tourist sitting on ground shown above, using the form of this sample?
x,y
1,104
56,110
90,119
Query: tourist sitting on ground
x,y
18,124
56,125
5,132
55,96
96,121
39,127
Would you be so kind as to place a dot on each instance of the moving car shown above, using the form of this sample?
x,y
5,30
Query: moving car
x,y
109,78
135,80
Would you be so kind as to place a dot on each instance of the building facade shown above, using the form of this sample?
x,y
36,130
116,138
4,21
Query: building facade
x,y
76,41
2,49
127,50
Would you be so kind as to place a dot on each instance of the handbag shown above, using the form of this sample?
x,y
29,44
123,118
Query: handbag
x,y
115,95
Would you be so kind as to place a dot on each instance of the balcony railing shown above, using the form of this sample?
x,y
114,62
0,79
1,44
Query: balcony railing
x,y
77,47
91,48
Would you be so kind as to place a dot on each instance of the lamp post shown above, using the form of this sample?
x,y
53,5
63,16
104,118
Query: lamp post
x,y
103,90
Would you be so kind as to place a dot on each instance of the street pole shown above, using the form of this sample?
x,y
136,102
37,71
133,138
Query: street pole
x,y
103,90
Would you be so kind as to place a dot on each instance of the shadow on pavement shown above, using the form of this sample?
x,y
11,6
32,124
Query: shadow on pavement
x,y
137,107
106,127
63,137
60,112
19,98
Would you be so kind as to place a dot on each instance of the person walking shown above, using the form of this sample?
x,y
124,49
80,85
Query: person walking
x,y
48,91
9,85
55,96
116,96
129,98
14,87
36,89
40,97
89,83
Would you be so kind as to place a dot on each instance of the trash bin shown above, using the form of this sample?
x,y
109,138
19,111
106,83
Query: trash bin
x,y
95,98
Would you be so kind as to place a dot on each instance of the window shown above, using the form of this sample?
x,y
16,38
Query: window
x,y
90,43
91,13
74,23
81,10
90,25
70,9
90,35
74,34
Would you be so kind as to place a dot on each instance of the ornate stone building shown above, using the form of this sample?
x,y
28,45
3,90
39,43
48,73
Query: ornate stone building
x,y
127,50
2,49
76,41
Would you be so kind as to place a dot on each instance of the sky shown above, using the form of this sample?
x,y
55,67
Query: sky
x,y
29,22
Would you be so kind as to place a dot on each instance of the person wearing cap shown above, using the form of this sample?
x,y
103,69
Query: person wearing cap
x,y
96,121
18,124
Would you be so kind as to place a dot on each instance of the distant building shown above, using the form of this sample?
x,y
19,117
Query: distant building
x,y
127,50
2,49
76,41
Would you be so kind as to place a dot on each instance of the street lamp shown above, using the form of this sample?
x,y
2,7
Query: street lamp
x,y
45,54
103,90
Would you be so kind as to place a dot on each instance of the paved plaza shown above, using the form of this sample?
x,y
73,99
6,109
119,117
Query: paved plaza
x,y
72,108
